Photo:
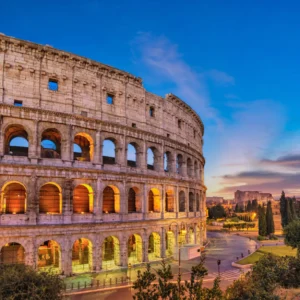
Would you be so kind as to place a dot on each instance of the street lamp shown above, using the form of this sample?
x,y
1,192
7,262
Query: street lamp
x,y
218,263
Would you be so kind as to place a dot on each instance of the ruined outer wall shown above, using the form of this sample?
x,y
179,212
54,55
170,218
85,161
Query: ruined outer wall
x,y
79,106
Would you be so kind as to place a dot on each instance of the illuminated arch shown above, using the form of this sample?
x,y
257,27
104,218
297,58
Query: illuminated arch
x,y
86,145
154,200
135,249
82,256
181,201
111,199
111,257
170,243
50,198
154,246
12,253
49,257
169,201
13,198
83,199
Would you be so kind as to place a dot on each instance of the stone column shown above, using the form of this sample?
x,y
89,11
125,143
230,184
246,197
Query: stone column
x,y
96,256
66,261
2,62
176,200
98,201
163,242
163,201
33,142
31,253
32,200
120,153
67,145
97,146
67,200
145,202
124,253
145,248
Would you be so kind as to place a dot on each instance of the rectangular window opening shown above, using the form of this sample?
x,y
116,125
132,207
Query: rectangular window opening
x,y
53,85
168,135
109,99
179,124
18,103
133,125
84,113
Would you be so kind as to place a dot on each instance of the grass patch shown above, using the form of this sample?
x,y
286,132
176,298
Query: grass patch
x,y
276,250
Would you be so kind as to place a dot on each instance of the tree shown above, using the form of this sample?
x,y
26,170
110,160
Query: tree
x,y
293,208
217,212
269,219
254,205
289,211
262,224
20,282
283,209
236,208
292,235
249,206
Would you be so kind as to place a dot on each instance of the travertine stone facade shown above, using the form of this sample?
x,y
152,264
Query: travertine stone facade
x,y
88,104
244,196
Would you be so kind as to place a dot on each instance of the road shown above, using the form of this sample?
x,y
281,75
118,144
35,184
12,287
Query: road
x,y
226,247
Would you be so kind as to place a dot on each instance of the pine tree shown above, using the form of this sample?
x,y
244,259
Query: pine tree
x,y
249,206
269,219
254,206
283,209
293,208
262,224
236,208
290,212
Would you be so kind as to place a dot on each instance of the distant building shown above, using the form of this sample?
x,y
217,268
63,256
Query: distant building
x,y
245,196
214,200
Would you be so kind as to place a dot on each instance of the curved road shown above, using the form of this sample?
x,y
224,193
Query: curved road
x,y
226,247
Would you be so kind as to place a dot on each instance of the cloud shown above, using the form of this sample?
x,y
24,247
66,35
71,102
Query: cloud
x,y
220,77
163,58
290,161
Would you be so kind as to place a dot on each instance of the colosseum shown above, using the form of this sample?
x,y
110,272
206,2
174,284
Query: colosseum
x,y
96,172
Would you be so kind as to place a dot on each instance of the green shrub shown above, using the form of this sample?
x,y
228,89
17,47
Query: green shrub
x,y
273,237
261,238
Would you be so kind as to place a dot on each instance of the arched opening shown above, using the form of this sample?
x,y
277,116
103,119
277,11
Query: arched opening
x,y
154,200
111,200
196,169
182,237
51,143
12,253
198,235
16,141
109,152
83,148
191,236
179,164
167,161
13,198
151,158
181,201
151,111
169,204
170,243
154,246
49,257
191,202
189,167
83,199
132,200
50,199
82,256
135,249
131,155
197,202
111,253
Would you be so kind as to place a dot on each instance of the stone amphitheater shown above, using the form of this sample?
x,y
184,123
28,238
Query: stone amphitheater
x,y
95,172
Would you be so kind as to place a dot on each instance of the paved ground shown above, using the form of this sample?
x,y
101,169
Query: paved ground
x,y
226,247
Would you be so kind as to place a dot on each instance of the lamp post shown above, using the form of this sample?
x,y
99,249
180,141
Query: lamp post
x,y
219,263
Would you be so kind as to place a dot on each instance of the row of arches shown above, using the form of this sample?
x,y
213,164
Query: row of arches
x,y
49,252
14,199
17,143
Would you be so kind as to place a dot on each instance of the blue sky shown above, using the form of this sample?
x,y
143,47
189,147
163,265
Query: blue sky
x,y
235,62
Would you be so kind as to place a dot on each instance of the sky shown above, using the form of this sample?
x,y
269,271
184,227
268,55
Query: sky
x,y
235,62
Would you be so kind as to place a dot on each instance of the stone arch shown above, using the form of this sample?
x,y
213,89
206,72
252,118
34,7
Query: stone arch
x,y
182,201
111,199
132,150
191,235
191,201
152,158
111,257
196,169
109,151
154,200
135,249
12,253
133,195
16,140
182,236
179,164
197,202
82,256
154,246
50,198
49,257
51,143
167,161
83,199
13,198
169,201
190,171
170,243
84,149
198,235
